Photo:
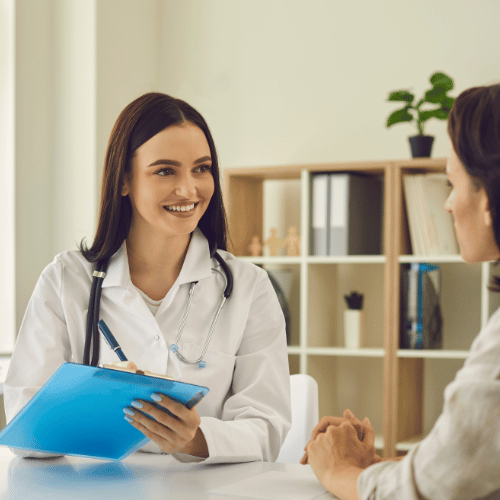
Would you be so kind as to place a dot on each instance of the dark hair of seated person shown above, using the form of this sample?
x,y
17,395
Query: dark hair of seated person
x,y
474,130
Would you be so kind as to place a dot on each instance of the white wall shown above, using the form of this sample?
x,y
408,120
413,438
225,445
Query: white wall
x,y
34,141
78,63
279,81
289,81
7,159
127,61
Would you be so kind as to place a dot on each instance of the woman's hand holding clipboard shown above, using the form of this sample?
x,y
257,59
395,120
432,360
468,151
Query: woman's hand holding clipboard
x,y
171,425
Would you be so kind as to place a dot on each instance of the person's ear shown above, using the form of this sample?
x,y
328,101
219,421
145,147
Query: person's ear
x,y
488,220
125,184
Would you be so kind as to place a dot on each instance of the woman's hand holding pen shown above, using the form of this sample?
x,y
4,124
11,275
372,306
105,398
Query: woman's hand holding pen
x,y
175,429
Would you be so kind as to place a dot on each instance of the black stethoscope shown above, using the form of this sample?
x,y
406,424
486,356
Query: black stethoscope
x,y
92,332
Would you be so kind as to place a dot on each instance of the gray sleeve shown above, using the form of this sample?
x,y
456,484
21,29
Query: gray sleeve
x,y
389,480
459,459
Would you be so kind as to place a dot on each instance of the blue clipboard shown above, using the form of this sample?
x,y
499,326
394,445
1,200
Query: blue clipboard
x,y
79,411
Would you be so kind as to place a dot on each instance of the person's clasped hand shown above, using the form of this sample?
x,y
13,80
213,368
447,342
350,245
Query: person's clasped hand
x,y
339,450
363,437
172,426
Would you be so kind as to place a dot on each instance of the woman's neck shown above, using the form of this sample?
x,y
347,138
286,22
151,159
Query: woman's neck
x,y
155,263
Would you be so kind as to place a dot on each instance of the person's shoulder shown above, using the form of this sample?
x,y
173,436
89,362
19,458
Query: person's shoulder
x,y
492,327
241,267
495,317
484,353
69,261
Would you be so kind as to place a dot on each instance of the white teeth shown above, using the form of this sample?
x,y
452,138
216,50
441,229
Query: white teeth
x,y
184,208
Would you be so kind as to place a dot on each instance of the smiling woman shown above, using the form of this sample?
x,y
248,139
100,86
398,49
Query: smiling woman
x,y
136,146
161,233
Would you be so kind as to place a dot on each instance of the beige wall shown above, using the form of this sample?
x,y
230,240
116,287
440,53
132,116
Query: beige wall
x,y
281,81
288,81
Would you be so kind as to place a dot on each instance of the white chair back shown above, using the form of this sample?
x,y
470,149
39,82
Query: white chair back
x,y
304,399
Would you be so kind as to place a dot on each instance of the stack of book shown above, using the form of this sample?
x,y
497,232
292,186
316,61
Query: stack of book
x,y
431,226
346,214
421,319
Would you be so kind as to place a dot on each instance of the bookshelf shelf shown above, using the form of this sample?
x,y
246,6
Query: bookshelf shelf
x,y
348,259
406,259
274,260
343,351
400,390
434,354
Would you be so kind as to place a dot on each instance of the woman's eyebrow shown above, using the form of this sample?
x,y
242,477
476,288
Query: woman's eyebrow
x,y
174,163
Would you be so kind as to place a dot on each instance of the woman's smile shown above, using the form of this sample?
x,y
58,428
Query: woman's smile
x,y
181,210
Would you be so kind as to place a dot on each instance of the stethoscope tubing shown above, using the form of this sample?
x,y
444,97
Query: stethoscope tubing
x,y
175,346
92,331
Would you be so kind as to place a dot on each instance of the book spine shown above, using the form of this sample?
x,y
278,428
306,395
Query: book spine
x,y
339,217
319,214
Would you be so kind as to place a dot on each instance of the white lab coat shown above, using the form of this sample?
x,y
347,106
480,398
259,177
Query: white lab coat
x,y
246,414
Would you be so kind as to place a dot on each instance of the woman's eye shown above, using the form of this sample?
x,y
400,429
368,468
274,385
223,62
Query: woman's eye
x,y
163,172
204,168
449,184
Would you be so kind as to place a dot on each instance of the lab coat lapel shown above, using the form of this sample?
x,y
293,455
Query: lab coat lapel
x,y
119,286
196,266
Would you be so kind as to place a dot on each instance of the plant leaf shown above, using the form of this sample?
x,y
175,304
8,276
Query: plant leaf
x,y
447,103
442,113
401,95
434,113
400,115
441,80
435,95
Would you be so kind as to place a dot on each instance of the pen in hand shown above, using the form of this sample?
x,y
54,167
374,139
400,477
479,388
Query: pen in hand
x,y
110,339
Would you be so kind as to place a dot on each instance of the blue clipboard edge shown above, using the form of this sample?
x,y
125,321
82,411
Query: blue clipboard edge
x,y
117,376
108,459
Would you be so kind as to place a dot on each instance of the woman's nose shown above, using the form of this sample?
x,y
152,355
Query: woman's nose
x,y
185,186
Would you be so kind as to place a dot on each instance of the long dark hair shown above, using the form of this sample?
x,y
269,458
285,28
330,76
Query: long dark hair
x,y
137,123
474,130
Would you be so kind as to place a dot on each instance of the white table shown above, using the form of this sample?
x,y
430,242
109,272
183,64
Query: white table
x,y
141,476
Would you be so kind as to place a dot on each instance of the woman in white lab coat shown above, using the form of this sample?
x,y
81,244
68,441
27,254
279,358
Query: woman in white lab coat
x,y
161,216
459,458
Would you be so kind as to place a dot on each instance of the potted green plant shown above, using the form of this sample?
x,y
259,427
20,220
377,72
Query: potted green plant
x,y
421,145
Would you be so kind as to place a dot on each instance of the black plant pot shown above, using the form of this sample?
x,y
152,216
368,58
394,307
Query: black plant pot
x,y
421,145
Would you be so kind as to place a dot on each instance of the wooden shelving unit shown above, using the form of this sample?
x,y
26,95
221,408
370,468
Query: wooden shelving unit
x,y
399,390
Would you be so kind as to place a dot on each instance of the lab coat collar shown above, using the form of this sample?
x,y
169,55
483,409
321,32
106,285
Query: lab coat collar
x,y
196,266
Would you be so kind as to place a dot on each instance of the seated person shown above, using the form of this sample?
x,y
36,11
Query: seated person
x,y
460,458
